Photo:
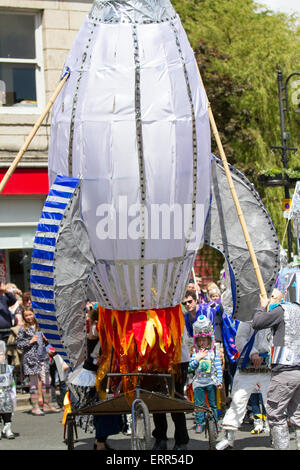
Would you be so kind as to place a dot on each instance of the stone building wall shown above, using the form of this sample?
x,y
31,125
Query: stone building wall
x,y
61,20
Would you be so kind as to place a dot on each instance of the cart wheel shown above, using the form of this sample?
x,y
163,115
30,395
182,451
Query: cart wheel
x,y
70,433
211,428
141,430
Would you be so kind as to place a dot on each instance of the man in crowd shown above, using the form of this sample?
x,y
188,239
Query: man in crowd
x,y
7,299
192,308
196,285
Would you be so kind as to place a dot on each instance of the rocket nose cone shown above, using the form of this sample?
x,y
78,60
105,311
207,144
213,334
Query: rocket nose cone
x,y
132,11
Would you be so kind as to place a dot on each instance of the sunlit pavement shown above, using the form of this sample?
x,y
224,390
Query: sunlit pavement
x,y
46,433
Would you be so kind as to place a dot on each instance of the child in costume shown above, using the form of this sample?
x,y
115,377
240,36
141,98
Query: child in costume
x,y
207,367
7,393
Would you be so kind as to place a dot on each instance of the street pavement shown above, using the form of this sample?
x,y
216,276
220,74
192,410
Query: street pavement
x,y
45,433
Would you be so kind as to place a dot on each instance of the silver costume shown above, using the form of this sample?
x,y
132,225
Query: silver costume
x,y
7,383
284,391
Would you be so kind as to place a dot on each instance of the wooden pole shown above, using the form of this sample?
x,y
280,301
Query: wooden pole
x,y
285,230
33,132
194,277
235,199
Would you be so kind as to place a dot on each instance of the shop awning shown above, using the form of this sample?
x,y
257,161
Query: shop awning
x,y
26,181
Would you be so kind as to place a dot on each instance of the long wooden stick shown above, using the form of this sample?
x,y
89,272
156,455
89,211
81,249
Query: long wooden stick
x,y
33,132
235,199
194,277
285,230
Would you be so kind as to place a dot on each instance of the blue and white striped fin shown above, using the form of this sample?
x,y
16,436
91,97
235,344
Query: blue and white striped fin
x,y
42,276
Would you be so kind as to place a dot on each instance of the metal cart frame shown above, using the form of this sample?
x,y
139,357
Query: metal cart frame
x,y
145,402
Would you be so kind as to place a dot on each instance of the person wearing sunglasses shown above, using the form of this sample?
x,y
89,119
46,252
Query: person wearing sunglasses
x,y
192,310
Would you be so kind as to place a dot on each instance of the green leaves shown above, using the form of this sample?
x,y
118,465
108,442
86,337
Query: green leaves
x,y
238,46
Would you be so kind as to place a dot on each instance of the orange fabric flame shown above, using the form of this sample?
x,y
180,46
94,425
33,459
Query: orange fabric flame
x,y
138,341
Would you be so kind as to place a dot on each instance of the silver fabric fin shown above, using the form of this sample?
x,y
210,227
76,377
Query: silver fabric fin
x,y
223,232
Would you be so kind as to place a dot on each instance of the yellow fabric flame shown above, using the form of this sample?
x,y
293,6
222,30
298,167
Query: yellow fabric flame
x,y
149,335
67,407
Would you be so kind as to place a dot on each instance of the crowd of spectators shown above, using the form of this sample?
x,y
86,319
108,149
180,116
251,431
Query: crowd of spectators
x,y
225,365
33,362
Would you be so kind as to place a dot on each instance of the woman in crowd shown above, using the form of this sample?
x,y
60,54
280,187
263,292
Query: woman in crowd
x,y
35,361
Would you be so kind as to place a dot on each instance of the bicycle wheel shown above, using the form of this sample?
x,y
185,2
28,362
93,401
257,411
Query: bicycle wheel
x,y
70,433
141,431
211,429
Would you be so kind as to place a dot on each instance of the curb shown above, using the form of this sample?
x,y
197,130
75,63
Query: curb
x,y
23,402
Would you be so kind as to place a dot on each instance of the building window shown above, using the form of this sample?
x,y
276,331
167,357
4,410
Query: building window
x,y
21,62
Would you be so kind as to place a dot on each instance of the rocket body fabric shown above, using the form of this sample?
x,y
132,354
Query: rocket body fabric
x,y
129,170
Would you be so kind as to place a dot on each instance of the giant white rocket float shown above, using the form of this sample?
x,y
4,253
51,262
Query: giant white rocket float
x,y
130,139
